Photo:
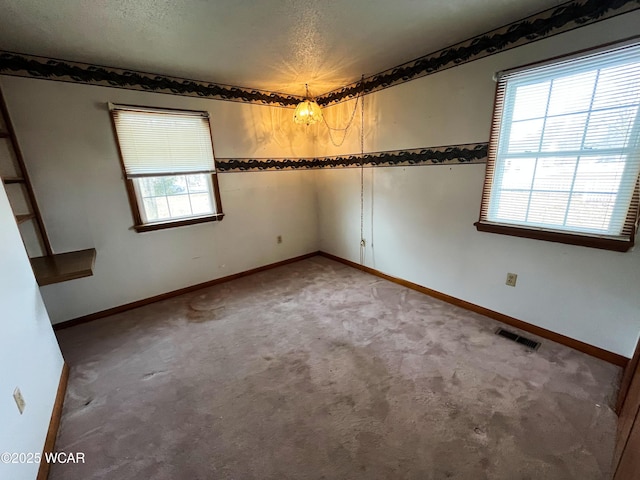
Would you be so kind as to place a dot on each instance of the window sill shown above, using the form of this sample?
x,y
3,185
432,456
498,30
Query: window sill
x,y
150,227
556,236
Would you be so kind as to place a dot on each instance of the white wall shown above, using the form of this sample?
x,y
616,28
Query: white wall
x,y
419,219
65,133
29,353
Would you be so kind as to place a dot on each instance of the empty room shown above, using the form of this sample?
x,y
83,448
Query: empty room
x,y
319,239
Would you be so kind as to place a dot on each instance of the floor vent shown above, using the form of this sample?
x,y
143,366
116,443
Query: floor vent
x,y
527,342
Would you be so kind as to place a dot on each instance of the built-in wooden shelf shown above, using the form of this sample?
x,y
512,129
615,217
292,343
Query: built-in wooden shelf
x,y
63,267
24,218
12,180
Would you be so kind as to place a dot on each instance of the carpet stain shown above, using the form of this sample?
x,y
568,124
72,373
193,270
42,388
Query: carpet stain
x,y
199,314
207,306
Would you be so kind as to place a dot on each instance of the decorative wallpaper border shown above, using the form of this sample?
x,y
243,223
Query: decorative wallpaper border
x,y
551,22
545,24
448,155
50,69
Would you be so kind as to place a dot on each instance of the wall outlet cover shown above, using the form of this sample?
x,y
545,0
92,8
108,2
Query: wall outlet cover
x,y
512,278
17,396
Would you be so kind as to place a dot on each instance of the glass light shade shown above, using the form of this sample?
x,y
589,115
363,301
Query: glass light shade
x,y
307,112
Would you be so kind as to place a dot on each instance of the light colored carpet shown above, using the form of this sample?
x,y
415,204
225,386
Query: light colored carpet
x,y
316,370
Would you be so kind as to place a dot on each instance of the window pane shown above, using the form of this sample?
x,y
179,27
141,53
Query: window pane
x,y
555,173
571,93
201,203
510,206
531,101
525,136
179,205
599,174
156,208
176,185
591,212
610,128
517,173
564,133
198,183
618,86
548,208
151,186
175,196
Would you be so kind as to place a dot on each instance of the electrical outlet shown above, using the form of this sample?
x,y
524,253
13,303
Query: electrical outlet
x,y
279,239
17,396
511,279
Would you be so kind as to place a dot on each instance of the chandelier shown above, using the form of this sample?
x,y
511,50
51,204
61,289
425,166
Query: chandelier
x,y
308,111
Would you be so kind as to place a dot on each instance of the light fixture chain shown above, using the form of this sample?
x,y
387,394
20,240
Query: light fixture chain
x,y
344,130
359,99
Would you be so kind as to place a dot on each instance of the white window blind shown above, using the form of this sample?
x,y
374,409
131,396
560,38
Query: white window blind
x,y
565,153
163,142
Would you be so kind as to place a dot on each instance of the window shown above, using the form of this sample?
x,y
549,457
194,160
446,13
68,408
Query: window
x,y
168,162
564,153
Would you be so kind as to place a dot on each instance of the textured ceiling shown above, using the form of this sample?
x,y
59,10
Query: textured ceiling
x,y
277,45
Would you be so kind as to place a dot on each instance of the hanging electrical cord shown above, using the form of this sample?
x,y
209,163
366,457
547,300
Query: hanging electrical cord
x,y
345,130
363,242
